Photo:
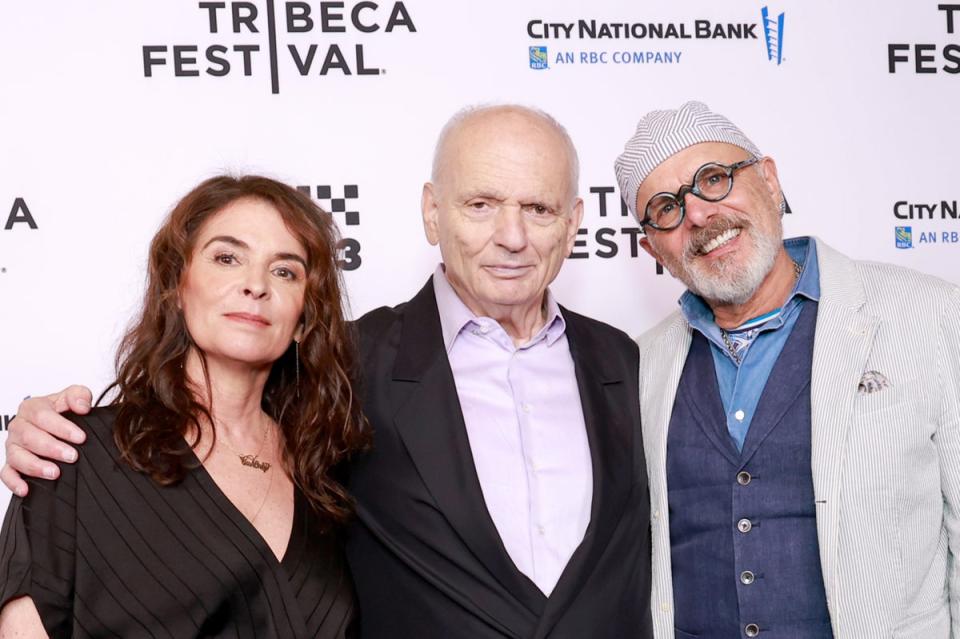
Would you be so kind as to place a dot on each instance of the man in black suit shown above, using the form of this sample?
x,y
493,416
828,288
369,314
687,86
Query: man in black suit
x,y
506,492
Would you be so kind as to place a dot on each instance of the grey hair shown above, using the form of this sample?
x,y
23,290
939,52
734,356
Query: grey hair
x,y
462,116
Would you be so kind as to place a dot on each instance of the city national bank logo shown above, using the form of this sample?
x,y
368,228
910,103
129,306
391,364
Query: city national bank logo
x,y
601,42
538,58
933,216
297,24
904,237
773,35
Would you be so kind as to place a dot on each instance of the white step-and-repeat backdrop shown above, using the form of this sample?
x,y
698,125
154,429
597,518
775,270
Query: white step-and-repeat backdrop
x,y
110,110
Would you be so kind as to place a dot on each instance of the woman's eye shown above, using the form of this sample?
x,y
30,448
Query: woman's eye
x,y
225,258
285,273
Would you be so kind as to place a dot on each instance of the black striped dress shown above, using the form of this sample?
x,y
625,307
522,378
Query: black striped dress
x,y
106,552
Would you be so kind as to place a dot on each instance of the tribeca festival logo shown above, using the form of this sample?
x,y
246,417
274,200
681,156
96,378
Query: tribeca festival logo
x,y
904,237
341,203
290,21
925,55
19,214
538,58
773,35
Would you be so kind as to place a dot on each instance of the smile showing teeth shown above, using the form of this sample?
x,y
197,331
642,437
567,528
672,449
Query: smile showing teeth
x,y
719,241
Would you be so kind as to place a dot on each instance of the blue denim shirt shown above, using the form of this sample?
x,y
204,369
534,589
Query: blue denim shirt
x,y
741,385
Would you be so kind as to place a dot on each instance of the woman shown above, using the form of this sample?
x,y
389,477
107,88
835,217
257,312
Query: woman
x,y
204,502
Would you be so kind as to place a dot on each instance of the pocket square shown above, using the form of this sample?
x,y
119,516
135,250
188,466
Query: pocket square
x,y
872,382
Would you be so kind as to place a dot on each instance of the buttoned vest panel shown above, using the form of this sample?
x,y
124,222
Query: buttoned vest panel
x,y
743,529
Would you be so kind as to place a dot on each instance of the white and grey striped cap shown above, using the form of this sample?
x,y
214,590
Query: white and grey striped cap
x,y
660,134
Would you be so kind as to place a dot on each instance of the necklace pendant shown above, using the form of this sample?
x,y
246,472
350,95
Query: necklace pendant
x,y
252,462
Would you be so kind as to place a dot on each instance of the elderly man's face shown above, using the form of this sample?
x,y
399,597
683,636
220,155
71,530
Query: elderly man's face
x,y
503,211
723,250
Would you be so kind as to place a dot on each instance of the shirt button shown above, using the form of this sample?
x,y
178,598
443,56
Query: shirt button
x,y
743,478
751,630
739,415
540,530
525,407
664,606
744,525
746,577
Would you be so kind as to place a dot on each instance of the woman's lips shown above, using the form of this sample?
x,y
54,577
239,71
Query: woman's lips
x,y
248,318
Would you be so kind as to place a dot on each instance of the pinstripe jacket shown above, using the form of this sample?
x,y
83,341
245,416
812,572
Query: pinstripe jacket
x,y
886,464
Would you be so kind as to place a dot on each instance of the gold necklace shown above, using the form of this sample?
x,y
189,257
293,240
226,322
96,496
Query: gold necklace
x,y
251,461
264,501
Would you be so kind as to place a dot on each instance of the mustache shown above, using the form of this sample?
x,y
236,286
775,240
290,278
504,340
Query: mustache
x,y
718,225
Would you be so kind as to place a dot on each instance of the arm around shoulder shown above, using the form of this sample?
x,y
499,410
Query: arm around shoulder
x,y
38,557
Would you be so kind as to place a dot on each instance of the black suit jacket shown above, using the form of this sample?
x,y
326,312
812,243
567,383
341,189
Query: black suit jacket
x,y
425,555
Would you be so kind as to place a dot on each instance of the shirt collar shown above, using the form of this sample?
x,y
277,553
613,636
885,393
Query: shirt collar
x,y
455,316
801,250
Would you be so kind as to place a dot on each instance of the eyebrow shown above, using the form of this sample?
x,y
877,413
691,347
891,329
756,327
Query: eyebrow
x,y
483,194
229,239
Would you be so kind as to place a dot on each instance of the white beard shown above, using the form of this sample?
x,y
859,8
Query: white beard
x,y
726,281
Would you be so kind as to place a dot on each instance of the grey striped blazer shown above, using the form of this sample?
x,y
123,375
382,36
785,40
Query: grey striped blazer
x,y
886,465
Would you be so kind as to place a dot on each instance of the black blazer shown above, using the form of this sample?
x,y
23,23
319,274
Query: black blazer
x,y
425,555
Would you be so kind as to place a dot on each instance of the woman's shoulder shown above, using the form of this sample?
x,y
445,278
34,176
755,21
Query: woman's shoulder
x,y
97,424
99,418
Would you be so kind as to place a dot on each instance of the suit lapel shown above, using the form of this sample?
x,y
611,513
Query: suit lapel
x,y
843,342
662,358
431,424
788,380
707,406
610,435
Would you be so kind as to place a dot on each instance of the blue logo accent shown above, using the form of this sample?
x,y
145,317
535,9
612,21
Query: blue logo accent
x,y
773,34
904,235
538,58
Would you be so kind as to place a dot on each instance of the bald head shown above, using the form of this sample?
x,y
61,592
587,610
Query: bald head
x,y
490,122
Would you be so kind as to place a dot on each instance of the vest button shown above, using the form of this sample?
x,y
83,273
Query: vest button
x,y
751,630
744,525
746,578
743,478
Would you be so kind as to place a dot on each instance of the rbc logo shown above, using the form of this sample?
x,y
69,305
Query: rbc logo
x,y
538,58
904,237
773,35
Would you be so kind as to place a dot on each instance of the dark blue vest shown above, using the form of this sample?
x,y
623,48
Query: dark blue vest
x,y
743,528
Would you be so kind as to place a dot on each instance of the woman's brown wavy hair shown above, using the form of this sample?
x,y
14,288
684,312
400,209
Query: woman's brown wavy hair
x,y
321,423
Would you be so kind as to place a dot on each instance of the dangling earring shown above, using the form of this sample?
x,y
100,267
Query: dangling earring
x,y
296,355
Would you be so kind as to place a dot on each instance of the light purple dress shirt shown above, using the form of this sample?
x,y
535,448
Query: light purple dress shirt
x,y
521,407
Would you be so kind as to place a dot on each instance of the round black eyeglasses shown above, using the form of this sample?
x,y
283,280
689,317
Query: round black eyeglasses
x,y
712,182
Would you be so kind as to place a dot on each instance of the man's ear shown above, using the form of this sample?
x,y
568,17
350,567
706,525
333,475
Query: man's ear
x,y
576,217
429,208
771,179
648,247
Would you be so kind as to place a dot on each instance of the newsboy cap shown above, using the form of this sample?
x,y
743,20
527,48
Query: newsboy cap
x,y
660,134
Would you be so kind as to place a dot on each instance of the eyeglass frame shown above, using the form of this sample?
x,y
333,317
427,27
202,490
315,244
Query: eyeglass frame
x,y
681,195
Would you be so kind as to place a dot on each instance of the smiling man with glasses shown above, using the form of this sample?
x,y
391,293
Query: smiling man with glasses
x,y
804,455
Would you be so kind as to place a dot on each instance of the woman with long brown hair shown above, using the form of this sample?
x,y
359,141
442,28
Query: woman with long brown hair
x,y
205,500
